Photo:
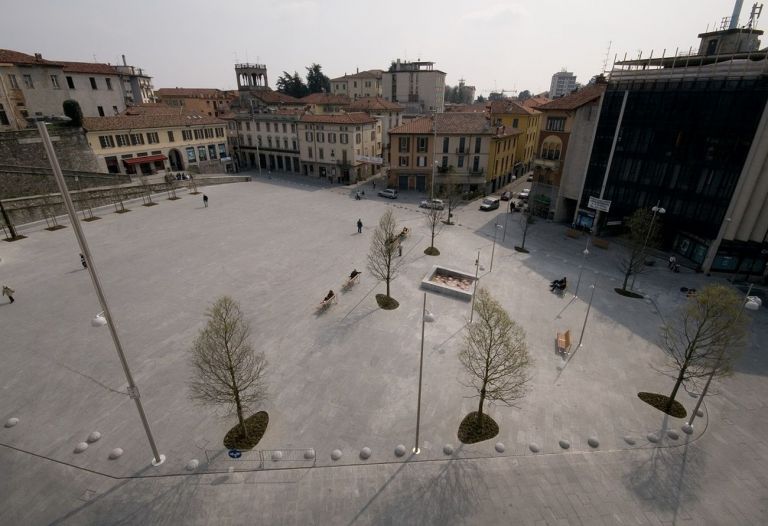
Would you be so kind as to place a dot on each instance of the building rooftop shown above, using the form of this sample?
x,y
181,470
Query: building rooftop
x,y
374,104
269,96
368,74
575,100
196,93
156,108
93,68
510,107
325,98
138,122
8,56
535,101
448,123
339,118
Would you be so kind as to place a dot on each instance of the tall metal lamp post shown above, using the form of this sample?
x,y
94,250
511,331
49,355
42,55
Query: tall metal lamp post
x,y
656,210
750,303
105,315
581,267
496,228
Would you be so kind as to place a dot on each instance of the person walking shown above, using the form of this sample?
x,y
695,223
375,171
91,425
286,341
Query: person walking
x,y
374,184
82,261
359,226
8,291
205,200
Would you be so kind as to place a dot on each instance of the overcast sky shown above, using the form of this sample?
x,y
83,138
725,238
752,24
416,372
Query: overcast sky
x,y
493,44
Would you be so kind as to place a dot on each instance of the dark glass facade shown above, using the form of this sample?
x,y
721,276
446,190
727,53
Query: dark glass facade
x,y
683,143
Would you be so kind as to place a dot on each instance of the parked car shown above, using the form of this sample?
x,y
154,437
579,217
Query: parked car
x,y
506,196
530,179
489,203
524,194
389,193
436,204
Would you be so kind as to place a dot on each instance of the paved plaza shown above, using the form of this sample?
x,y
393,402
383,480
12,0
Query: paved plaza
x,y
347,378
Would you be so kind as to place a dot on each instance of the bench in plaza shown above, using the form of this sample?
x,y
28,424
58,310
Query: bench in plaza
x,y
564,341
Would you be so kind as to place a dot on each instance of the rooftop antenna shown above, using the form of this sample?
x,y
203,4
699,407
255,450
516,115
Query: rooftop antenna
x,y
607,54
754,15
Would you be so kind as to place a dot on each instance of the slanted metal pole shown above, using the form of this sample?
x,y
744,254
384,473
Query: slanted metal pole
x,y
133,390
586,317
474,291
416,449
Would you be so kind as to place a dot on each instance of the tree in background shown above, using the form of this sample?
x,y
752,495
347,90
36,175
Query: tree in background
x,y
480,99
292,85
227,371
317,82
643,234
524,95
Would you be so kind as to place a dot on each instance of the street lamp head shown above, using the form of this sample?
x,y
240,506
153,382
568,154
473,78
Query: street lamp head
x,y
586,252
99,320
659,210
753,303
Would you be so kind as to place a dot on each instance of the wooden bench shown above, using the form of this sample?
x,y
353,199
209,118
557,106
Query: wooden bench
x,y
573,233
600,243
326,303
564,341
351,281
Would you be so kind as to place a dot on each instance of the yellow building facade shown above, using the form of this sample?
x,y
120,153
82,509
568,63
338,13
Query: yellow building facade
x,y
515,116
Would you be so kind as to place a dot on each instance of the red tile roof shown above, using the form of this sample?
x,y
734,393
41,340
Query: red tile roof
x,y
535,102
325,98
477,107
268,96
576,100
374,104
138,122
368,74
510,107
195,93
8,56
338,118
93,68
153,109
448,123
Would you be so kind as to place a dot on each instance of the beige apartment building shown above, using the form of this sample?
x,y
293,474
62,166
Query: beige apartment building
x,y
268,140
339,147
359,84
158,141
206,101
389,114
32,86
416,85
326,102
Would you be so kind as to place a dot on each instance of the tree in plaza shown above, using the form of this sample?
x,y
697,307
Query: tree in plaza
x,y
495,355
434,218
705,335
526,220
642,234
292,85
317,81
451,196
524,95
382,260
227,370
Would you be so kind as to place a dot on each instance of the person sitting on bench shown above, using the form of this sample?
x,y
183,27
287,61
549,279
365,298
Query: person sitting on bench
x,y
558,284
353,274
328,296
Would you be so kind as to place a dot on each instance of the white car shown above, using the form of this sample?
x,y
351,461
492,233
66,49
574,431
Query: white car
x,y
436,204
389,193
524,194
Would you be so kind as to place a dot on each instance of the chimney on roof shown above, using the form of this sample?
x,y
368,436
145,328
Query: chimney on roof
x,y
357,70
38,56
124,62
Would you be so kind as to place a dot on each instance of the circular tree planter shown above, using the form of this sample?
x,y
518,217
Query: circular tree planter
x,y
521,249
471,432
386,303
627,293
660,402
431,251
256,425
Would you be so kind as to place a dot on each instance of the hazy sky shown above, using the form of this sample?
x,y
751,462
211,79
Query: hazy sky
x,y
498,44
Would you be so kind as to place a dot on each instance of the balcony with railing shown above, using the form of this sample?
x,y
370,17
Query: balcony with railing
x,y
551,164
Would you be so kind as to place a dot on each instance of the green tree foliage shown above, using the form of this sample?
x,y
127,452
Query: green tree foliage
x,y
524,95
317,82
292,85
73,111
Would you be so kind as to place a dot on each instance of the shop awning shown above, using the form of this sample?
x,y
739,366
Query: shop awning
x,y
145,159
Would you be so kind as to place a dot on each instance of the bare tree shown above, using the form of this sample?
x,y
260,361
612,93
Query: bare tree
x,y
526,220
227,370
451,195
434,218
704,335
146,191
643,233
495,354
382,260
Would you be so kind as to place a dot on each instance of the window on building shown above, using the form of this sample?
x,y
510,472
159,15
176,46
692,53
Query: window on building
x,y
358,138
320,153
403,161
332,138
421,144
55,82
100,109
478,144
212,151
404,144
198,133
343,138
219,132
293,144
247,126
460,162
191,155
476,164
115,110
152,138
170,136
320,137
269,141
186,135
93,83
445,144
285,128
113,166
222,150
201,153
556,124
28,82
208,133
12,80
4,117
515,122
258,126
293,129
285,143
373,135
421,161
123,140
250,140
309,136
462,144
309,152
259,139
444,163
109,83
106,141
137,138
268,127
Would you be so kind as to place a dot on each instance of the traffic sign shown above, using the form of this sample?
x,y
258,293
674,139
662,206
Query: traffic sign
x,y
599,204
235,453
